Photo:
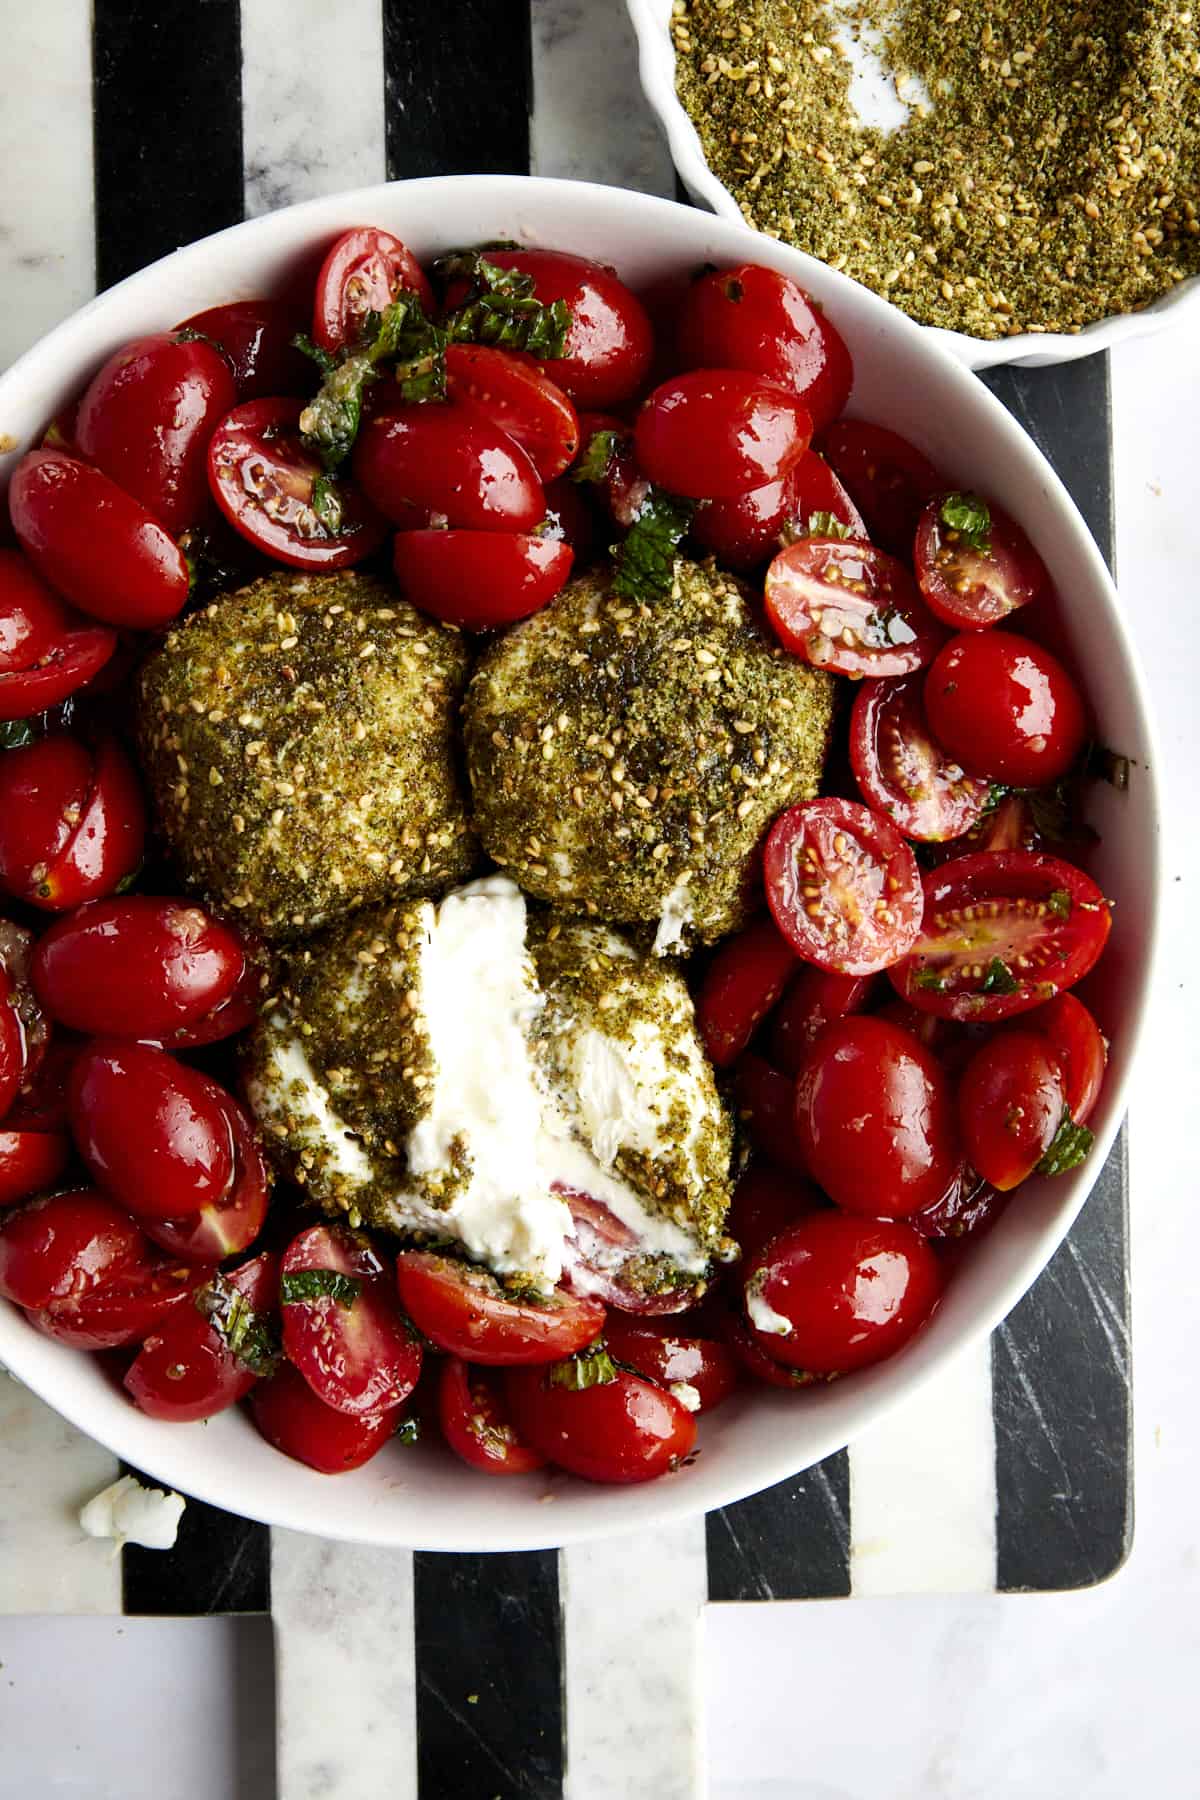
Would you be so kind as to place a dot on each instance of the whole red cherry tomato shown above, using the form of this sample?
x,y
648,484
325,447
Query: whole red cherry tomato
x,y
602,1258
136,966
364,271
124,1309
257,338
33,620
291,1417
609,341
474,1418
274,491
741,984
750,528
887,478
94,543
342,1324
520,400
744,1346
30,1162
146,417
1002,932
974,564
225,1227
766,1202
719,432
837,1293
624,1430
234,1013
1010,1106
205,1356
766,1105
1005,708
814,998
450,463
699,1372
750,317
843,886
463,1309
72,821
1079,1046
844,606
60,1246
480,579
901,770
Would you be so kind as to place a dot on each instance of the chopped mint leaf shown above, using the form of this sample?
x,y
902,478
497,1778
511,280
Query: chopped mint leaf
x,y
16,733
645,558
131,880
999,978
1059,904
592,1367
1107,765
317,1284
400,337
996,793
306,347
248,1335
597,457
500,307
408,1431
971,518
327,505
1071,1144
929,979
827,524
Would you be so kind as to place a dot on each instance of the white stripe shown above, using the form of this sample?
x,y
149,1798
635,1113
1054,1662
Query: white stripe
x,y
631,1627
312,99
590,122
345,1669
47,1470
47,242
923,1489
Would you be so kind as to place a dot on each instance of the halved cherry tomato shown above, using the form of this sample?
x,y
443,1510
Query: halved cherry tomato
x,y
816,490
94,543
33,620
480,579
766,1102
750,317
1002,932
72,821
224,1227
1010,1105
836,1293
186,1368
124,1309
1007,824
69,666
364,271
813,999
256,336
741,984
30,1162
901,770
342,1324
292,1418
968,1207
1079,1046
520,400
719,432
463,1309
766,1202
136,966
474,1418
623,1430
977,580
12,1044
847,607
264,479
60,1246
875,1115
449,464
602,1261
888,479
843,886
1005,708
146,417
662,1351
749,528
609,341
623,489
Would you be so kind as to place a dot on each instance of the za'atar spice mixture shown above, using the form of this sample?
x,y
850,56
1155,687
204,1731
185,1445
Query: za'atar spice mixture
x,y
1047,174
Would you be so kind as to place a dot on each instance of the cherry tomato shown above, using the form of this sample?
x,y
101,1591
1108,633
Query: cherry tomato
x,y
462,1309
364,271
624,1430
750,528
845,1292
73,662
844,606
185,1369
60,1246
814,998
1005,708
569,519
602,1260
419,464
30,1162
72,822
609,341
222,1228
664,1353
146,418
875,1115
968,1207
264,479
256,336
744,1346
719,432
624,489
1002,932
887,478
342,1324
901,770
33,620
1079,1046
843,886
234,1013
1008,824
1010,1105
480,579
765,1202
124,1309
12,1045
94,543
754,318
816,490
766,1101
946,1039
474,1418
136,966
520,400
293,1419
741,984
41,1105
975,579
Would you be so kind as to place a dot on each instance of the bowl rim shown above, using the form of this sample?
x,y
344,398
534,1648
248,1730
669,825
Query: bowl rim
x,y
1029,349
24,1352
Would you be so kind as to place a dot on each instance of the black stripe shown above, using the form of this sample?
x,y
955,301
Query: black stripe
x,y
220,1564
168,127
457,86
489,1676
791,1542
1067,412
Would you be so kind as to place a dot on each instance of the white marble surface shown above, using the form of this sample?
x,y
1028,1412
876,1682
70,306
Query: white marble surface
x,y
47,1471
590,122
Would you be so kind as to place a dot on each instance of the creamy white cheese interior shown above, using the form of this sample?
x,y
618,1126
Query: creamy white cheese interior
x,y
676,915
129,1513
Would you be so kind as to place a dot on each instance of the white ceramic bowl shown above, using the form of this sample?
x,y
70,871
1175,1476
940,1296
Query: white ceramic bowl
x,y
656,60
420,1497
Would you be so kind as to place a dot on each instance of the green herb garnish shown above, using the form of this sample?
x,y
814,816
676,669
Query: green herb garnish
x,y
408,1431
931,980
645,559
1071,1144
826,524
999,978
400,337
597,457
592,1367
1107,765
250,1336
971,518
319,1284
16,733
327,504
1058,904
500,307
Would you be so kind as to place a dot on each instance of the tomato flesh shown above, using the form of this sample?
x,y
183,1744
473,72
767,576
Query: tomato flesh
x,y
355,1350
135,966
124,1309
601,1258
903,772
1005,708
968,1207
520,400
364,271
715,433
30,1162
887,477
33,620
60,1246
1078,1044
185,1369
814,998
461,1309
846,607
740,986
480,579
1010,1105
667,1355
843,886
224,1227
972,585
296,1421
72,824
69,666
451,464
625,1430
475,1423
766,1101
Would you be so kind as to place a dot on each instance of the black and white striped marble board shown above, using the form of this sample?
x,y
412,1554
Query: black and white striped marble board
x,y
208,110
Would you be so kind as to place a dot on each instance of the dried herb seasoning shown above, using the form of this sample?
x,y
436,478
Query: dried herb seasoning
x,y
1049,176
